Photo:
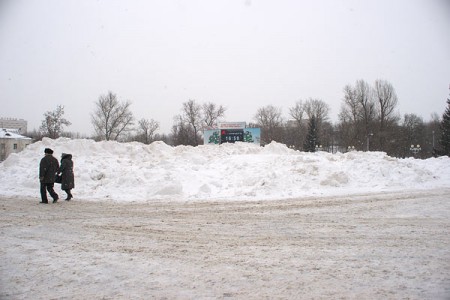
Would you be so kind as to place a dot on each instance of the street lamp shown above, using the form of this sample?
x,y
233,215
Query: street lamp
x,y
415,149
368,140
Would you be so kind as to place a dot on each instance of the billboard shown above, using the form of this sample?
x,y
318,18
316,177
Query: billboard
x,y
219,136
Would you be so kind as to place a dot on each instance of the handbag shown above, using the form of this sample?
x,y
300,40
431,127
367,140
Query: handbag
x,y
58,178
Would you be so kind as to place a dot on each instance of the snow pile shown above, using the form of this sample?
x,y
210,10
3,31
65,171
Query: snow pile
x,y
138,172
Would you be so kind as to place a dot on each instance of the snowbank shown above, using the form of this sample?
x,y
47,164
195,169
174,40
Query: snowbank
x,y
138,172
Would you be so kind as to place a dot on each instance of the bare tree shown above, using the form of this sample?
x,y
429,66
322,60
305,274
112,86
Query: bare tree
x,y
349,108
364,96
212,113
357,114
387,102
349,118
147,129
192,115
317,108
270,121
181,132
53,123
192,119
298,112
111,118
297,132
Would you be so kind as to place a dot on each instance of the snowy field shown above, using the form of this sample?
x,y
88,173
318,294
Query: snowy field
x,y
225,222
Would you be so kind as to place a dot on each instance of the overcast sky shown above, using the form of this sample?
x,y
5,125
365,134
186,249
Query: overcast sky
x,y
243,54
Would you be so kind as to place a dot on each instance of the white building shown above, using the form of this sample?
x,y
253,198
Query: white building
x,y
12,123
12,142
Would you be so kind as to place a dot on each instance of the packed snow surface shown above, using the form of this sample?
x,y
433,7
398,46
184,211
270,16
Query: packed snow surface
x,y
241,171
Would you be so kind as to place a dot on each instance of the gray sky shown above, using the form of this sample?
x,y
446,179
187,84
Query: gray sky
x,y
243,54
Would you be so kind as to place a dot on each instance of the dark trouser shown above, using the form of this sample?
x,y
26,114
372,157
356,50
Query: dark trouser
x,y
47,187
69,194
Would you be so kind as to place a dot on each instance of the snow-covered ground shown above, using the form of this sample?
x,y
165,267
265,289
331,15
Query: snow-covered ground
x,y
374,246
225,222
138,172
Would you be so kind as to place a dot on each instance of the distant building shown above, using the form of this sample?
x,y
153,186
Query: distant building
x,y
12,142
11,123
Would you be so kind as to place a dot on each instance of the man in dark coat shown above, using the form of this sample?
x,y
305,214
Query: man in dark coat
x,y
68,178
47,172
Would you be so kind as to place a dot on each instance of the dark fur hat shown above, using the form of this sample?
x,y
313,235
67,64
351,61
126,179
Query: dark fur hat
x,y
48,150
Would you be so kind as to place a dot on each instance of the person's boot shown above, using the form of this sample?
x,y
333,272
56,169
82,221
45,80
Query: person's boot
x,y
44,202
55,199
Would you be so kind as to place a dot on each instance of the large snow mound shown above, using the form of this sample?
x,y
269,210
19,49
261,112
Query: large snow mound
x,y
138,172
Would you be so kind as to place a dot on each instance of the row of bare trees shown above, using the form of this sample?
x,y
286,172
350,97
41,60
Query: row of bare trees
x,y
113,120
368,120
368,111
193,119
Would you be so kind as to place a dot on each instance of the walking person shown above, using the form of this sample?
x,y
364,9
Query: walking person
x,y
48,167
68,178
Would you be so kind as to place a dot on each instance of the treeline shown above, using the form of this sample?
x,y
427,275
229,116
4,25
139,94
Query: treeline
x,y
368,121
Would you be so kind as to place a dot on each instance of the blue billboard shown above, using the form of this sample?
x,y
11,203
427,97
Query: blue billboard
x,y
219,136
